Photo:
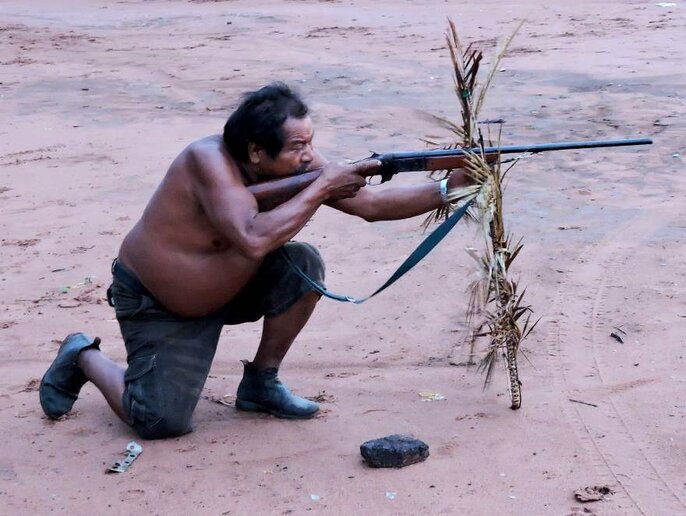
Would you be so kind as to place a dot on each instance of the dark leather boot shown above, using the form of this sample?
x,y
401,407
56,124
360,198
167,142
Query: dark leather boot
x,y
63,380
262,391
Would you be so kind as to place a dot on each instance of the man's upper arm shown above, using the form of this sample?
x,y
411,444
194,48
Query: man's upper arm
x,y
228,204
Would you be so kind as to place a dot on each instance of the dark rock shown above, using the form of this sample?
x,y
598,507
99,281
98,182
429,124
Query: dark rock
x,y
394,451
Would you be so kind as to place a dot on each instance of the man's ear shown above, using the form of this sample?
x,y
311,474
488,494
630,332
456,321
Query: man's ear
x,y
254,153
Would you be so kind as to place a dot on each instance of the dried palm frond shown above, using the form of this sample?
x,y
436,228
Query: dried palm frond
x,y
495,67
465,70
496,310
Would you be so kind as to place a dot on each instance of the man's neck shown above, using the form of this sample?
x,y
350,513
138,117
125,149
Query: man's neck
x,y
249,173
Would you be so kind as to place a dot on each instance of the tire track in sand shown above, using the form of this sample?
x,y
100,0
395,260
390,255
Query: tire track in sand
x,y
605,431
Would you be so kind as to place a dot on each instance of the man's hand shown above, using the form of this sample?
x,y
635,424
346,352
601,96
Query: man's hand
x,y
459,178
343,181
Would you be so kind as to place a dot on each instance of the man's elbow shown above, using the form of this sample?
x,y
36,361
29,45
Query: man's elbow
x,y
372,212
370,216
372,208
253,248
367,211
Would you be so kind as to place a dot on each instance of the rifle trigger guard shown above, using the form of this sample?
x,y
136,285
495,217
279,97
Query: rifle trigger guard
x,y
386,175
385,172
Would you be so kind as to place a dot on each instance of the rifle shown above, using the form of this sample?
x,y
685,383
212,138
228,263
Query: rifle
x,y
274,192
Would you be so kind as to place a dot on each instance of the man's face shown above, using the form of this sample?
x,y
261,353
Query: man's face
x,y
297,152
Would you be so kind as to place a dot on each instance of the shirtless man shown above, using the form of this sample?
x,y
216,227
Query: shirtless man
x,y
203,255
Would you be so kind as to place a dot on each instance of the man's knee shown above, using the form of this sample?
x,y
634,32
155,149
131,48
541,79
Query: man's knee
x,y
158,422
153,411
307,257
285,286
164,428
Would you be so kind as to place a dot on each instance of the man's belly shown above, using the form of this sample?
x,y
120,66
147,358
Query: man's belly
x,y
191,284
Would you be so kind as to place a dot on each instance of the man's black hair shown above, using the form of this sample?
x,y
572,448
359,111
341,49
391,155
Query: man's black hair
x,y
259,119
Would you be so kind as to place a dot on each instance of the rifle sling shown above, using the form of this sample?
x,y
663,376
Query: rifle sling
x,y
415,257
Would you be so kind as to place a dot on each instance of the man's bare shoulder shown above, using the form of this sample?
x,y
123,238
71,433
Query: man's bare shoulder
x,y
208,158
207,147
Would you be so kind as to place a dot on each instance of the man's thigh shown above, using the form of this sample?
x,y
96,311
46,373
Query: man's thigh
x,y
168,358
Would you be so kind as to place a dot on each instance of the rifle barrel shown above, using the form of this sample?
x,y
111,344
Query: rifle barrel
x,y
395,162
519,149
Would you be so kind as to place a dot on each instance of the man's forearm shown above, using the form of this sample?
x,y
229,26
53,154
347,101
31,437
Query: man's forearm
x,y
271,229
401,202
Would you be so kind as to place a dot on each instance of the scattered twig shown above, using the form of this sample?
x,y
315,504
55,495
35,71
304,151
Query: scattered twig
x,y
583,402
64,305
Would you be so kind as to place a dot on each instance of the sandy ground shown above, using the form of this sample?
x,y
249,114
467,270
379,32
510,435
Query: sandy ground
x,y
98,97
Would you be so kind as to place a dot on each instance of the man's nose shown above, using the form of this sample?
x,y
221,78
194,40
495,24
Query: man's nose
x,y
307,154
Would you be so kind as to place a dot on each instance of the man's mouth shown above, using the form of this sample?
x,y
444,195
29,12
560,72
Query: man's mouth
x,y
302,169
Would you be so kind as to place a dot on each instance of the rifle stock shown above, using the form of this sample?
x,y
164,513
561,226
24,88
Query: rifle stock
x,y
270,194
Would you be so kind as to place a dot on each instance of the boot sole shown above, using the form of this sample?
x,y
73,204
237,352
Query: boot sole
x,y
249,406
